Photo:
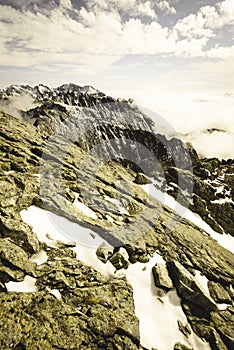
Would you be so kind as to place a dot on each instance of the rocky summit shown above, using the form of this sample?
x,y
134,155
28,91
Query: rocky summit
x,y
144,228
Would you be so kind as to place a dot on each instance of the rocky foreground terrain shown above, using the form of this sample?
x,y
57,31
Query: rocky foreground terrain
x,y
87,157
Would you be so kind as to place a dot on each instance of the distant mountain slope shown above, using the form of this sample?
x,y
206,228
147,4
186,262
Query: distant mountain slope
x,y
96,117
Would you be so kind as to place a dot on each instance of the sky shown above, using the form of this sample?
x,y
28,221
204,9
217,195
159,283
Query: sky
x,y
172,56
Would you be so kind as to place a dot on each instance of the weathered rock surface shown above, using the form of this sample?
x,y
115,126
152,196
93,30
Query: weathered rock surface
x,y
141,179
40,321
226,332
161,277
14,262
34,171
94,312
188,288
104,252
120,259
219,293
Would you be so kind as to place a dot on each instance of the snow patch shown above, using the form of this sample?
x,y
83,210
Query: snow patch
x,y
223,307
219,189
39,258
86,210
158,312
26,286
56,293
64,230
223,201
10,172
225,240
203,283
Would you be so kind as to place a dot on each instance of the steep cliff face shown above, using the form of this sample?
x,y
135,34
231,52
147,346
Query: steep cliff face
x,y
92,167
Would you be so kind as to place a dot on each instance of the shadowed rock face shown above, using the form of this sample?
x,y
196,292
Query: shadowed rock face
x,y
93,309
187,287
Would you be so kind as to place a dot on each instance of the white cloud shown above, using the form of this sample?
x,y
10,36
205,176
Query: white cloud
x,y
192,114
66,3
221,52
146,9
35,39
61,37
227,11
135,8
166,7
217,144
193,26
206,20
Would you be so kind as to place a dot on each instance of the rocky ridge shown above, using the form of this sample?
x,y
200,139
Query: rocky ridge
x,y
85,294
206,185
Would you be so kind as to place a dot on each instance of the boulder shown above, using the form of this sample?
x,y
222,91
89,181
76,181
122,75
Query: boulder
x,y
188,288
161,277
104,252
142,179
224,323
19,232
216,341
219,293
120,259
14,256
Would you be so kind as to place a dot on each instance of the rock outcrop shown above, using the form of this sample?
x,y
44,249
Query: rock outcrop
x,y
96,117
40,166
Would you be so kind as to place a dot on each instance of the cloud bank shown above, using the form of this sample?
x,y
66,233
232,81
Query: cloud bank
x,y
68,35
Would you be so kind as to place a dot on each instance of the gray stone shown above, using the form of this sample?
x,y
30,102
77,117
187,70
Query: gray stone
x,y
216,341
15,257
104,252
224,323
120,259
142,179
188,288
219,293
161,277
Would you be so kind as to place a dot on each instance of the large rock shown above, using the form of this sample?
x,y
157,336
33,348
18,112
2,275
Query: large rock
x,y
224,323
120,259
219,293
161,277
40,321
104,252
19,232
216,341
141,179
188,288
15,257
185,329
94,311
